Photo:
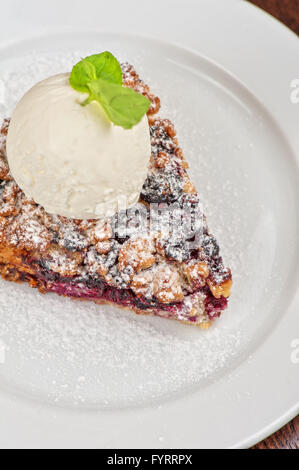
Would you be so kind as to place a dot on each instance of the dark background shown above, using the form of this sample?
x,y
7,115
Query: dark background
x,y
287,11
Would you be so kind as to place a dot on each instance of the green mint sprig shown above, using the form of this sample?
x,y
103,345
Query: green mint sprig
x,y
100,75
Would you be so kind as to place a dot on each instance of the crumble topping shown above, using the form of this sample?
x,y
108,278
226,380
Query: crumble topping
x,y
63,262
196,273
132,80
139,254
167,284
94,263
28,234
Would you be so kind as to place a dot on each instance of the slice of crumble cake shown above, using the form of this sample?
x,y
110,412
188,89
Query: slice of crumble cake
x,y
157,257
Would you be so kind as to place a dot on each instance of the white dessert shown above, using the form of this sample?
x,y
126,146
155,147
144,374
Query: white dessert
x,y
71,159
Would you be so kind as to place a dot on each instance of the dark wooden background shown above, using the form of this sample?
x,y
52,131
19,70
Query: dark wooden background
x,y
287,11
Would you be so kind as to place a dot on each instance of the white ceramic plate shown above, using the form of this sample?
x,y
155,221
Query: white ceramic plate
x,y
77,375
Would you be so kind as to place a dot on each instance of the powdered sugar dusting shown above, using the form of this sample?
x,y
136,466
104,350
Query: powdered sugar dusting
x,y
124,359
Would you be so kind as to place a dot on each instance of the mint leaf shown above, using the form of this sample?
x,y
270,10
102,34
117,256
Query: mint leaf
x,y
123,106
107,67
82,73
104,66
100,76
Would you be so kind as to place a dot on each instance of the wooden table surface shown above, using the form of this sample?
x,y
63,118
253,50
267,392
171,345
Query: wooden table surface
x,y
287,11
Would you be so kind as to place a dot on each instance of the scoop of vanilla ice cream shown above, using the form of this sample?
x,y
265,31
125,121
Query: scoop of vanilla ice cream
x,y
71,159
